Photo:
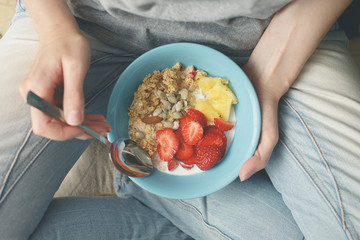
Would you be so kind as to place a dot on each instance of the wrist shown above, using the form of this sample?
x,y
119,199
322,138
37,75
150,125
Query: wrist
x,y
51,17
269,82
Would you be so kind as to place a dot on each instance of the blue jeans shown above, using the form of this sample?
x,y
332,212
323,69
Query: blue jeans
x,y
311,187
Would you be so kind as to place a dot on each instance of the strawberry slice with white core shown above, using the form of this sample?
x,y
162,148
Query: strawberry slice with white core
x,y
192,132
167,143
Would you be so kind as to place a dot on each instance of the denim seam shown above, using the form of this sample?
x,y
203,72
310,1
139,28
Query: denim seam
x,y
342,217
315,184
28,165
186,207
13,162
31,151
322,157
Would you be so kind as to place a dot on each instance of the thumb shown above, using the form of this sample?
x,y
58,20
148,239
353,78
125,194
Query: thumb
x,y
268,139
73,99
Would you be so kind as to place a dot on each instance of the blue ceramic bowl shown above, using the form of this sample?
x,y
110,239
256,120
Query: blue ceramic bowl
x,y
247,113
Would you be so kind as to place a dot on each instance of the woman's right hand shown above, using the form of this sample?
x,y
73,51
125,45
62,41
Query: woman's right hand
x,y
58,71
57,75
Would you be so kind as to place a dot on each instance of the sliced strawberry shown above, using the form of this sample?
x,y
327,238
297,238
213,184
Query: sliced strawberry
x,y
212,138
184,120
213,128
192,132
185,150
186,166
207,156
223,124
167,143
190,161
172,164
164,154
197,116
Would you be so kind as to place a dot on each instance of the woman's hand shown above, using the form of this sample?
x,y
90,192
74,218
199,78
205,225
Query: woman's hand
x,y
291,37
58,71
269,133
57,75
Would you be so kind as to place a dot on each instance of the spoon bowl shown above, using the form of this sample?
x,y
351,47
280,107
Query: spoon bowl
x,y
127,156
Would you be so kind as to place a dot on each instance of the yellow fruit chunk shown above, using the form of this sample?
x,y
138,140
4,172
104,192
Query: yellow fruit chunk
x,y
206,83
204,106
222,107
221,91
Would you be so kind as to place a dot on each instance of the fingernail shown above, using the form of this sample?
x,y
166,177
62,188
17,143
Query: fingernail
x,y
74,117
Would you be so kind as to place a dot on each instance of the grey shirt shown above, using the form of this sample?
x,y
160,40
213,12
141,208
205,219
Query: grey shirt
x,y
231,26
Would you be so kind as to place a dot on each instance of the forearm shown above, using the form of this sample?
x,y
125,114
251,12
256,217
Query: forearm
x,y
288,42
51,16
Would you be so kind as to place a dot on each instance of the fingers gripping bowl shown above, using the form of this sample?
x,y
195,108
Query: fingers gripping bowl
x,y
246,111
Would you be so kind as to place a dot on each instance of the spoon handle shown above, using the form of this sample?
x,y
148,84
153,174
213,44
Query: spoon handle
x,y
55,112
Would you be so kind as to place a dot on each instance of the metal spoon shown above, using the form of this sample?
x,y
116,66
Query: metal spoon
x,y
127,156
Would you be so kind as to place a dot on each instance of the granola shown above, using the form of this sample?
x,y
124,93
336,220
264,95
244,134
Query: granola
x,y
162,99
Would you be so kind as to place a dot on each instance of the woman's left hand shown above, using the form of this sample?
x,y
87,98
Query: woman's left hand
x,y
269,133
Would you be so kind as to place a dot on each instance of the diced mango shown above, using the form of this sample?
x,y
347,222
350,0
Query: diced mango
x,y
206,83
204,106
221,91
222,107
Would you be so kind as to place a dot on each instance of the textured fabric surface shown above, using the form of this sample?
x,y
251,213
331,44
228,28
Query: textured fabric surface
x,y
225,25
189,10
